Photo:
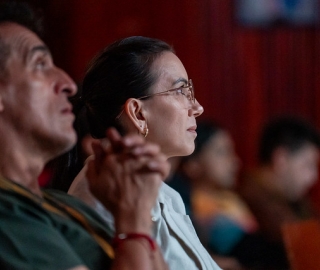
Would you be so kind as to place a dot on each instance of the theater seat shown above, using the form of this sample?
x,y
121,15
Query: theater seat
x,y
302,242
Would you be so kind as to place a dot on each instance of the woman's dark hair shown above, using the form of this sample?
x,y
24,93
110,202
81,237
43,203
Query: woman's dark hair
x,y
121,71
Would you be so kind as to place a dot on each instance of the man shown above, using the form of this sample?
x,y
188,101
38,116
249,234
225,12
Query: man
x,y
276,191
51,230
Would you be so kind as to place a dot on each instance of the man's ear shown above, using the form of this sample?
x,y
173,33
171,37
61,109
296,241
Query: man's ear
x,y
133,109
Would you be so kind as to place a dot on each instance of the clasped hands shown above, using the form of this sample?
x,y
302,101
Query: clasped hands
x,y
125,176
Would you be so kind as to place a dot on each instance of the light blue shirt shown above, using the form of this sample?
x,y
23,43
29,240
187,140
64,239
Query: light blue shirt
x,y
173,229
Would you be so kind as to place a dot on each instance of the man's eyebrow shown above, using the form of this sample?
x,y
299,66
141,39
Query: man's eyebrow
x,y
180,80
35,49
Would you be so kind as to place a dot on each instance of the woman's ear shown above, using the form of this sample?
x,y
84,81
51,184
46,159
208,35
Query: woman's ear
x,y
133,109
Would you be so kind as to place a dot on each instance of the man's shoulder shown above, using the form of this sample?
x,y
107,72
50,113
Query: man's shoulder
x,y
11,200
70,200
80,206
63,196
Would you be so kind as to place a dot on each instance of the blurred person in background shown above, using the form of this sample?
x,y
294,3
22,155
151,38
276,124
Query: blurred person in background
x,y
277,190
206,180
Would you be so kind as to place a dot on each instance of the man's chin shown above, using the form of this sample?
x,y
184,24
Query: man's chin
x,y
66,144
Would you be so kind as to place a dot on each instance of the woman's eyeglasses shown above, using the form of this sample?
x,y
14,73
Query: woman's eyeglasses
x,y
187,91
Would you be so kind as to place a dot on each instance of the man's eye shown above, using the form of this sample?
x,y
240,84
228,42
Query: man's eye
x,y
41,63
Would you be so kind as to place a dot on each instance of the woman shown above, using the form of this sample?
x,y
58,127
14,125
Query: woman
x,y
139,85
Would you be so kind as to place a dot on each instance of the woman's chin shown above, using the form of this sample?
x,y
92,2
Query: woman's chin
x,y
187,151
179,152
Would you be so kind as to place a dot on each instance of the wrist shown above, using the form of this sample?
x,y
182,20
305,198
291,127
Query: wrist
x,y
121,238
139,224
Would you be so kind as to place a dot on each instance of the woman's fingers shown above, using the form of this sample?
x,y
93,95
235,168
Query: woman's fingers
x,y
126,173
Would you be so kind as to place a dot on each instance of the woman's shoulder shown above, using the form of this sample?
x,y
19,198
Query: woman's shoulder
x,y
170,197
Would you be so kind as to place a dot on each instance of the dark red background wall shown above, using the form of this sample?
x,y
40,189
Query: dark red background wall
x,y
242,76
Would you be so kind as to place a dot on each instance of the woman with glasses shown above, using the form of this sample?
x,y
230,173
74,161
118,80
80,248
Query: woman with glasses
x,y
138,85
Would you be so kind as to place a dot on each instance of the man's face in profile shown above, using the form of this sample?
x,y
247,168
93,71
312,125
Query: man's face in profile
x,y
302,170
34,96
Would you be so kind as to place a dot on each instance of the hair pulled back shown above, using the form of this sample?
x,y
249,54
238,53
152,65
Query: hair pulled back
x,y
121,71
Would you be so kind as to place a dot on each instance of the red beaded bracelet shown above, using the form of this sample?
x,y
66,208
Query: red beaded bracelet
x,y
126,236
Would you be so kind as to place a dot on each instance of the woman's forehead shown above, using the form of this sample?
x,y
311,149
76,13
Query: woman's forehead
x,y
169,68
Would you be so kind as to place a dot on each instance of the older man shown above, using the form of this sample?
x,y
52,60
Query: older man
x,y
51,230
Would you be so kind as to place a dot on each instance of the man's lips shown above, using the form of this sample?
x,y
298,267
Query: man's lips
x,y
67,110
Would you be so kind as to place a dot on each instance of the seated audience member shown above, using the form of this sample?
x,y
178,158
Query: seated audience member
x,y
220,216
276,190
52,230
140,86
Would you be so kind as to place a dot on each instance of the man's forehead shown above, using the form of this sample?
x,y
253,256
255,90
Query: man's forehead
x,y
18,36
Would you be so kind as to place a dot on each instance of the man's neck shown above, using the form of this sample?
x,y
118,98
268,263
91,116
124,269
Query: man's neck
x,y
21,170
30,183
21,161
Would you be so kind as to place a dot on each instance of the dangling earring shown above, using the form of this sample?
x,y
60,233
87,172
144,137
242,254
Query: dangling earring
x,y
146,131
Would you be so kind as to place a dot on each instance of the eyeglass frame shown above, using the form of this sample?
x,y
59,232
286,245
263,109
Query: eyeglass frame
x,y
189,85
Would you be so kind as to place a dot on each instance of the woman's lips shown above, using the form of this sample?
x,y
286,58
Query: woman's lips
x,y
192,129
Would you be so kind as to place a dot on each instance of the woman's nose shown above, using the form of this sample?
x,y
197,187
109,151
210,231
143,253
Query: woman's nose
x,y
197,109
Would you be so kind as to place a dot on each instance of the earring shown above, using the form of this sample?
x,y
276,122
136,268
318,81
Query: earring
x,y
146,131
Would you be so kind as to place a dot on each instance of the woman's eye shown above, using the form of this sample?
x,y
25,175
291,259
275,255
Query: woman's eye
x,y
183,89
179,91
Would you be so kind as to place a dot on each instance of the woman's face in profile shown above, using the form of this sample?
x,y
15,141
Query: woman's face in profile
x,y
171,116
